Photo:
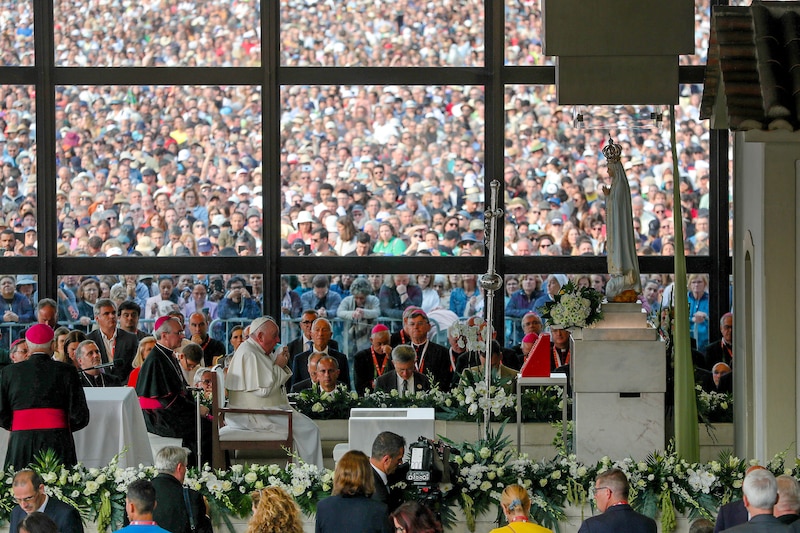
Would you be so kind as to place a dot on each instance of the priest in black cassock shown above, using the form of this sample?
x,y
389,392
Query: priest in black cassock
x,y
87,354
41,403
169,408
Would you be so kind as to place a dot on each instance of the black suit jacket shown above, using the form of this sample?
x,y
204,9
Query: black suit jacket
x,y
300,386
388,382
300,367
125,350
170,512
763,523
392,498
64,515
730,515
619,519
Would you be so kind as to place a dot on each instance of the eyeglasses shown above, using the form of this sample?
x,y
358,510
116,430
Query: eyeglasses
x,y
419,235
595,489
545,245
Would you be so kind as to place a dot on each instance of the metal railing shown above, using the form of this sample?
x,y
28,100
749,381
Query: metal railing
x,y
290,328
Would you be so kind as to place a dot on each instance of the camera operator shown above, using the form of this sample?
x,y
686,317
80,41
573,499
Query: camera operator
x,y
238,303
388,450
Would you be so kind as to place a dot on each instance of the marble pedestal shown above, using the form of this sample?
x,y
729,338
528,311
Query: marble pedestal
x,y
619,380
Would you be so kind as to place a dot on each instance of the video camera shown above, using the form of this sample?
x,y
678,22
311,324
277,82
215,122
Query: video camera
x,y
429,468
430,463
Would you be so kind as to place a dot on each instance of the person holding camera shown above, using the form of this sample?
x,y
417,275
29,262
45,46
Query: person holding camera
x,y
238,302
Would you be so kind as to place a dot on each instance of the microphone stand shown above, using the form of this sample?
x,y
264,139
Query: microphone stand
x,y
98,367
197,392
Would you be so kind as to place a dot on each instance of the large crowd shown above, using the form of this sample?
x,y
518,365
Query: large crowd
x,y
365,169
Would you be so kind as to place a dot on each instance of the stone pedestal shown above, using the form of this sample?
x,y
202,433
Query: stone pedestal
x,y
619,380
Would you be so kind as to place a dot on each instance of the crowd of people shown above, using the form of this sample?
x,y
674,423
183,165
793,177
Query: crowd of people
x,y
365,169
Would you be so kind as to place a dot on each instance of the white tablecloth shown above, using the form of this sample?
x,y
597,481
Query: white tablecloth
x,y
115,423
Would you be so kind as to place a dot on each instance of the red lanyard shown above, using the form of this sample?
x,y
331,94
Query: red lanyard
x,y
557,358
378,369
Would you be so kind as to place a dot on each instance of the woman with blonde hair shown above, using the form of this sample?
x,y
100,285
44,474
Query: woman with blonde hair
x,y
350,507
274,511
145,345
516,505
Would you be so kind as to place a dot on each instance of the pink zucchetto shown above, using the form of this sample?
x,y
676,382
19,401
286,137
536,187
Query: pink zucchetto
x,y
39,334
161,320
530,337
379,328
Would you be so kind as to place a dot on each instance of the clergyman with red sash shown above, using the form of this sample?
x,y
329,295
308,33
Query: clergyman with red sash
x,y
41,403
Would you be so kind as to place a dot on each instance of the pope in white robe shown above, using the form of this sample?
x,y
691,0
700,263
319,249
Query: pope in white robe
x,y
256,379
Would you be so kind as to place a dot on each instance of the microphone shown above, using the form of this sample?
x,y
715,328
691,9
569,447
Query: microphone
x,y
116,362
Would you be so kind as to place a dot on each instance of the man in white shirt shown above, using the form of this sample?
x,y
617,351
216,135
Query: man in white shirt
x,y
404,378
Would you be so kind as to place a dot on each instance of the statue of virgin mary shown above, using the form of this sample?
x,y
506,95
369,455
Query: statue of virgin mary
x,y
623,264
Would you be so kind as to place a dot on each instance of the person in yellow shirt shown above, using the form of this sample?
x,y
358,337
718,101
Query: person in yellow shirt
x,y
516,506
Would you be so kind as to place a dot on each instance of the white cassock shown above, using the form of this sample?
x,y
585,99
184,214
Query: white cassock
x,y
254,381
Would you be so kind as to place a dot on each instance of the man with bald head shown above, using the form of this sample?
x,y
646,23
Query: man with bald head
x,y
41,403
321,334
257,379
198,329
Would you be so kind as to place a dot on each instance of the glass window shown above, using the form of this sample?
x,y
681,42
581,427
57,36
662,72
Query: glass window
x,y
160,171
187,34
356,157
16,26
382,34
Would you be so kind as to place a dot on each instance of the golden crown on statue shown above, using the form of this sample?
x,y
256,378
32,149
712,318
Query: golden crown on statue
x,y
612,151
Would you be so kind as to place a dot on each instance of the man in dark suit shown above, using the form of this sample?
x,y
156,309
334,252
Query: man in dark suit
x,y
431,357
28,489
388,450
303,342
321,333
733,513
760,493
172,511
721,350
116,345
404,379
611,496
311,382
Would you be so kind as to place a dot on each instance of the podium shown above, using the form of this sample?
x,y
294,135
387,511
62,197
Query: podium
x,y
365,424
619,381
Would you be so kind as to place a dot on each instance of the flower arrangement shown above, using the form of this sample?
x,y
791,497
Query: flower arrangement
x,y
714,406
661,485
469,336
464,403
574,307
